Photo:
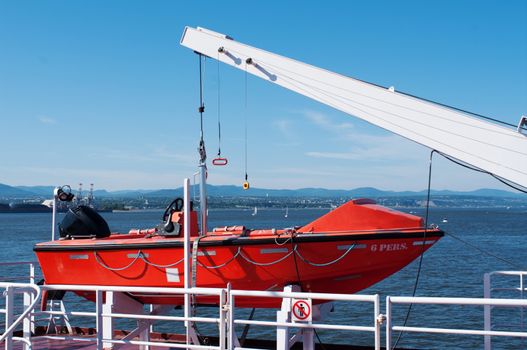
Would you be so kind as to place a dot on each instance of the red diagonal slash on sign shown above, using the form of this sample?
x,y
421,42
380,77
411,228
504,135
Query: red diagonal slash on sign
x,y
301,310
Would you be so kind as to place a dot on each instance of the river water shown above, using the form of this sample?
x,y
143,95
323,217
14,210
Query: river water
x,y
477,241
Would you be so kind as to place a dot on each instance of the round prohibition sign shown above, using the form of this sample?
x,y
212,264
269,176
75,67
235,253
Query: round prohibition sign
x,y
301,310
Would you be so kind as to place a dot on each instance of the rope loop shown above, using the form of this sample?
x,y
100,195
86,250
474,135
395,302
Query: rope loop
x,y
328,263
100,262
222,264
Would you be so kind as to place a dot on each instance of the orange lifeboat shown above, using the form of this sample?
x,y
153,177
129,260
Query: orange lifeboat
x,y
344,251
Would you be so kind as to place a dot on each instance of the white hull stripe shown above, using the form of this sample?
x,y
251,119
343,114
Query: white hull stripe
x,y
425,242
273,250
348,246
79,257
348,277
135,255
207,253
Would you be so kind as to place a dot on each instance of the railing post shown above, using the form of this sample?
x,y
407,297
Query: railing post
x,y
283,316
98,319
186,257
388,323
32,281
377,322
9,317
487,311
31,273
231,334
223,311
107,321
522,287
28,321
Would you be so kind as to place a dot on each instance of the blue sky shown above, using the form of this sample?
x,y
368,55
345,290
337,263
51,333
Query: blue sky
x,y
102,92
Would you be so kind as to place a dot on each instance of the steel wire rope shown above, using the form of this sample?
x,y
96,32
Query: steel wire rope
x,y
222,264
245,123
332,104
283,243
449,234
419,99
100,262
430,166
269,263
485,252
201,96
219,106
328,263
161,266
299,284
439,142
349,102
418,274
396,115
470,167
203,158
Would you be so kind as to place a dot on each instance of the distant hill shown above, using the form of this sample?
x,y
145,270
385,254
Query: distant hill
x,y
9,191
45,191
236,191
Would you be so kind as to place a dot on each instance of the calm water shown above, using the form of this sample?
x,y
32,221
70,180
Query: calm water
x,y
450,268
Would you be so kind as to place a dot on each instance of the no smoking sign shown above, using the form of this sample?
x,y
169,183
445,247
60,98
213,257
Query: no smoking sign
x,y
301,310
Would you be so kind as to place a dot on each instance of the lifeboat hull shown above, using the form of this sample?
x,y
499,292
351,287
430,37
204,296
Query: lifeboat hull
x,y
340,261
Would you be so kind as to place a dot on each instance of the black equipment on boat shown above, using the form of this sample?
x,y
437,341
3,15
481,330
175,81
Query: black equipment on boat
x,y
83,222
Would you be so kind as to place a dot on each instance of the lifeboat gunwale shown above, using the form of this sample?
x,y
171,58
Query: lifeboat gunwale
x,y
215,241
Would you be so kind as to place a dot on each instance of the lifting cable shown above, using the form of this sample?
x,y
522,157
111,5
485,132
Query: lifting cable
x,y
500,179
246,182
219,105
201,110
450,235
284,73
219,160
203,159
427,211
293,247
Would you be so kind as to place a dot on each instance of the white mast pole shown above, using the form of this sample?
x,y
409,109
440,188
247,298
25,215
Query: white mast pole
x,y
186,251
203,196
54,214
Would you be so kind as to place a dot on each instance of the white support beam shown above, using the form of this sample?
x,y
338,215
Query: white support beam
x,y
118,302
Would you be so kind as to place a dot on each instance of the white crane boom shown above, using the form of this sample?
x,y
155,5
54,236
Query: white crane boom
x,y
496,149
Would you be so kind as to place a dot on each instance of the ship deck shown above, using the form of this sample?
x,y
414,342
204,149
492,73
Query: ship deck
x,y
43,343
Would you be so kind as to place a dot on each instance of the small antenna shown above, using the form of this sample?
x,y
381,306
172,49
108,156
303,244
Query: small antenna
x,y
79,194
90,196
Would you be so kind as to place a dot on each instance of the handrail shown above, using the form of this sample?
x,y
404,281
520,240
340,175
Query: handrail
x,y
24,287
31,265
390,300
487,293
228,304
282,323
101,313
18,263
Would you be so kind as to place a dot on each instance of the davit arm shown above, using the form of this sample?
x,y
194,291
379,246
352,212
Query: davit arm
x,y
496,149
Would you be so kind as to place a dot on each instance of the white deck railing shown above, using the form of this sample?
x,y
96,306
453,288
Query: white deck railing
x,y
30,295
390,301
30,277
103,316
226,317
374,328
488,290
